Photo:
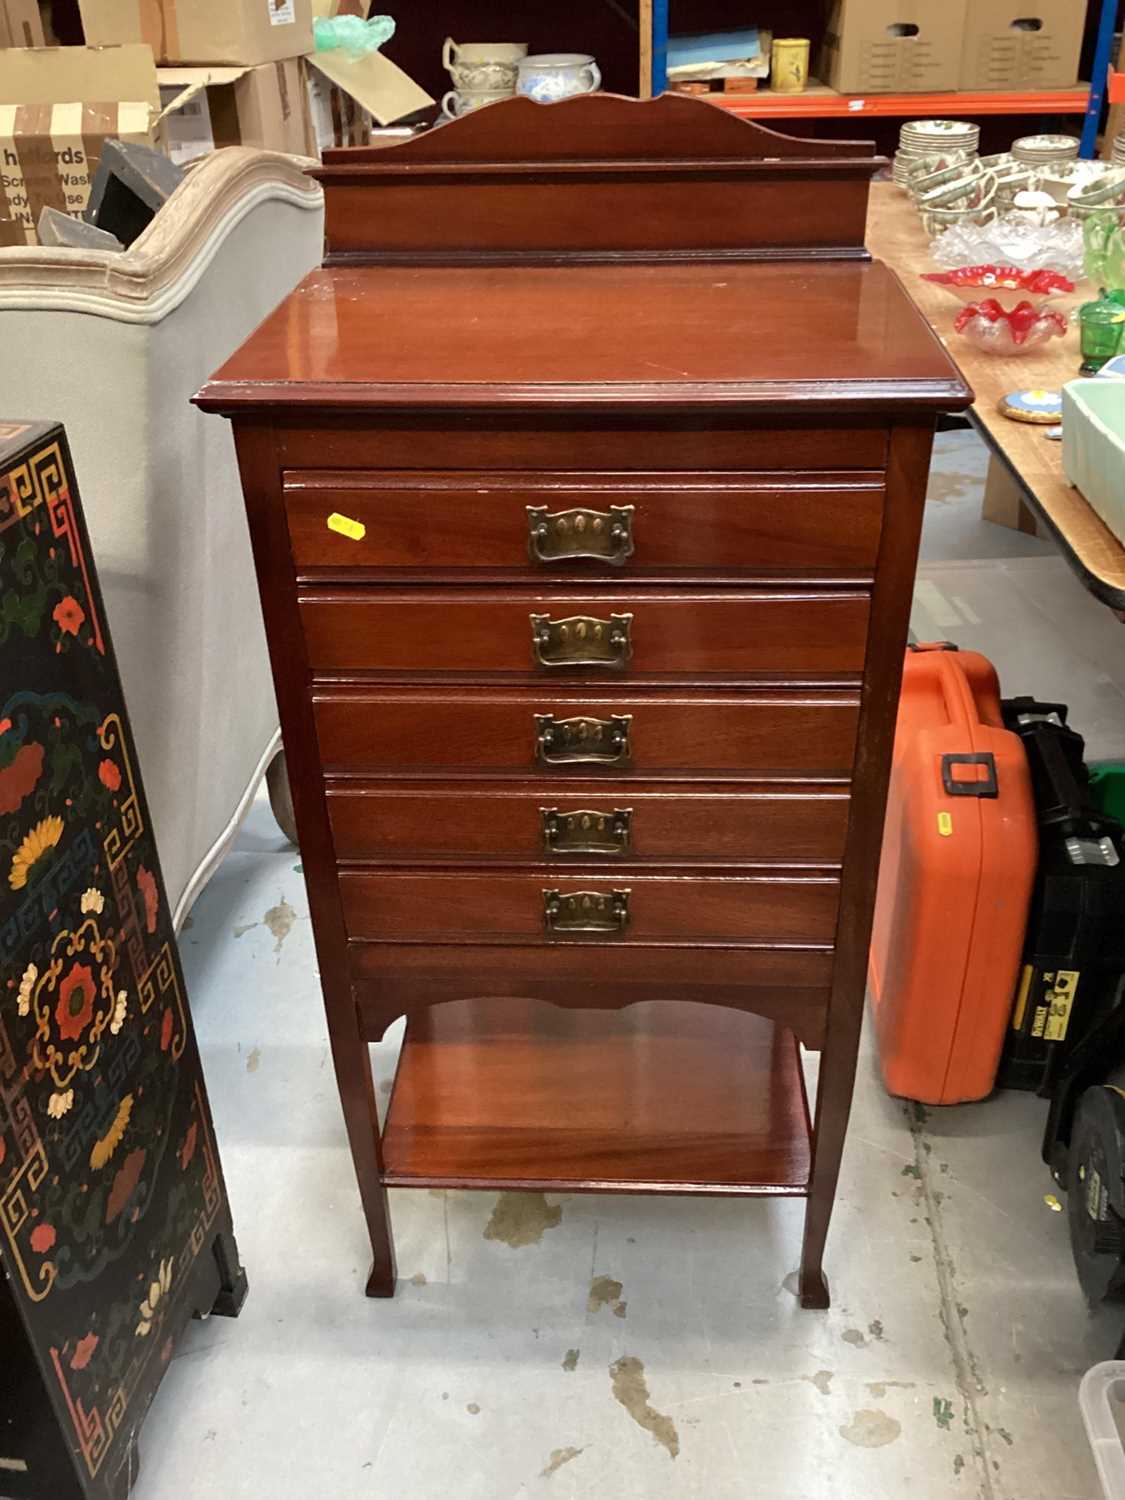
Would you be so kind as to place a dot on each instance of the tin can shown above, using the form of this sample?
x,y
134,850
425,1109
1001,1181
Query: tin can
x,y
789,64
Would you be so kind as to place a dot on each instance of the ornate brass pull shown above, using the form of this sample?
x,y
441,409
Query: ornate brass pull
x,y
605,535
586,832
586,911
581,641
565,741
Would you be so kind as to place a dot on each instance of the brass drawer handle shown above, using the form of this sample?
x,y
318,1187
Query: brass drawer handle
x,y
586,911
586,831
566,741
581,641
605,535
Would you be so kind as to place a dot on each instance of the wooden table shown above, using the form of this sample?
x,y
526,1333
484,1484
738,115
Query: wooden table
x,y
1026,467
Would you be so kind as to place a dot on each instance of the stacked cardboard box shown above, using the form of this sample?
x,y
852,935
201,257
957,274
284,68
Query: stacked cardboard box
x,y
892,46
60,104
247,32
21,24
211,107
243,72
1014,44
931,46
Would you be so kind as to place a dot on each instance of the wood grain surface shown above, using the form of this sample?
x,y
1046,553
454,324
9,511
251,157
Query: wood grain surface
x,y
718,823
692,636
894,232
676,1097
484,731
776,907
718,346
437,525
712,442
787,985
552,340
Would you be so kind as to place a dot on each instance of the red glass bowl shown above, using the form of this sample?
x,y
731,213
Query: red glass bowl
x,y
1006,285
1008,331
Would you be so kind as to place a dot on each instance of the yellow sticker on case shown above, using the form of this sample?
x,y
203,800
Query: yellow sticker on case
x,y
355,530
945,824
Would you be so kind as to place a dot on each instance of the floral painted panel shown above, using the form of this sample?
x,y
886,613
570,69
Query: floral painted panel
x,y
111,1194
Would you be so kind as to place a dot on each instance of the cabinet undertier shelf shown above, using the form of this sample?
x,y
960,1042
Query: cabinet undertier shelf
x,y
659,1097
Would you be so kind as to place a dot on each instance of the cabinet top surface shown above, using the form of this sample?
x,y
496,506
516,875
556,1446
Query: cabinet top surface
x,y
800,335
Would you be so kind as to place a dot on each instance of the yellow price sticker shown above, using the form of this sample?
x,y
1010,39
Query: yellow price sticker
x,y
354,530
945,824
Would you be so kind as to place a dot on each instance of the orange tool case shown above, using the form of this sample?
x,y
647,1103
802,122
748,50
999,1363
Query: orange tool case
x,y
959,856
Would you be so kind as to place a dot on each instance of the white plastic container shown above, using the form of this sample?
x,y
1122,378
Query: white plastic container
x,y
1093,446
1101,1397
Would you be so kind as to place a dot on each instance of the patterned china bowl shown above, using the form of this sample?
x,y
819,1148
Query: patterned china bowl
x,y
550,76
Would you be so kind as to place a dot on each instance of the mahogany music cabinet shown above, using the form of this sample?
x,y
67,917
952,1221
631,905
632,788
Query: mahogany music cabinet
x,y
585,482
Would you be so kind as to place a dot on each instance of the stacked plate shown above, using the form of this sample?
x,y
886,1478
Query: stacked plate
x,y
1045,150
953,140
1118,157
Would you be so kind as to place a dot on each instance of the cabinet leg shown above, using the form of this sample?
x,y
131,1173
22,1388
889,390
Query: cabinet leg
x,y
833,1104
233,1285
357,1097
813,1286
281,798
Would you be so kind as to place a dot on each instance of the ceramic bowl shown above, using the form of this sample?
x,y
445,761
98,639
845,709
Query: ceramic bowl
x,y
1105,193
1067,178
934,172
1039,150
550,76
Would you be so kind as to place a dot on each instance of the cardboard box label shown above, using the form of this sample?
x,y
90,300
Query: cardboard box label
x,y
188,131
282,12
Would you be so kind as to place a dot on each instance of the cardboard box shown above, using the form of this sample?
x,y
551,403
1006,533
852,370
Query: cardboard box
x,y
204,31
289,106
373,82
349,96
61,103
893,46
335,118
20,24
1022,44
206,108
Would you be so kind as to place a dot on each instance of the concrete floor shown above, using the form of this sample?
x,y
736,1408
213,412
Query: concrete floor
x,y
948,1365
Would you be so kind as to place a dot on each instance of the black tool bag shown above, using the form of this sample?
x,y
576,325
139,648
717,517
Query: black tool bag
x,y
1074,953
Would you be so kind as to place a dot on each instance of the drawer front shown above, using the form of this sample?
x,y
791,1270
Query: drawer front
x,y
568,822
583,903
712,735
589,633
521,526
